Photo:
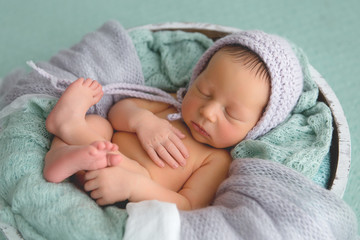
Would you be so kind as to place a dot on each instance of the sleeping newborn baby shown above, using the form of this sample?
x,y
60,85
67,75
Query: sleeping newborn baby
x,y
243,86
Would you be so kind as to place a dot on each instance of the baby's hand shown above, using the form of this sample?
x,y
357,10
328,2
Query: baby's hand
x,y
162,142
110,185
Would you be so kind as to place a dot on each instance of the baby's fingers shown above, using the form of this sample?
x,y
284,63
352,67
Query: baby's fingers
x,y
171,154
89,175
91,185
179,144
177,150
153,155
96,194
178,132
102,202
160,156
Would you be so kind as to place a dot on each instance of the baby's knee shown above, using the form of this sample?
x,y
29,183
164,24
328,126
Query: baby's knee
x,y
100,125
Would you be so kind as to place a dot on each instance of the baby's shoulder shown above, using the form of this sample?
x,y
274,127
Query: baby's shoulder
x,y
216,165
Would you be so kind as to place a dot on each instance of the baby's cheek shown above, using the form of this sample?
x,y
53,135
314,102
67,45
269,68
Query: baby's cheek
x,y
188,108
230,135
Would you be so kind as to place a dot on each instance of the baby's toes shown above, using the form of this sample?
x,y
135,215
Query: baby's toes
x,y
95,85
87,82
113,159
93,150
114,147
99,145
98,92
110,146
79,81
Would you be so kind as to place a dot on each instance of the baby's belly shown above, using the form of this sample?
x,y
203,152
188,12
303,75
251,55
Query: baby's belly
x,y
168,177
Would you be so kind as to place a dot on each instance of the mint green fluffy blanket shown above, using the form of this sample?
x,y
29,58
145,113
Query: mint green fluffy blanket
x,y
42,210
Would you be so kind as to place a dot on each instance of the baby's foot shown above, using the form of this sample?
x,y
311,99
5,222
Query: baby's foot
x,y
63,162
72,106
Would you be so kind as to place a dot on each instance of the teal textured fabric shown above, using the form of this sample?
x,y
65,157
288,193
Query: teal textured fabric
x,y
168,57
38,209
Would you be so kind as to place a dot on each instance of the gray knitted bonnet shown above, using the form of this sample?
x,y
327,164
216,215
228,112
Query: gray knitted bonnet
x,y
284,69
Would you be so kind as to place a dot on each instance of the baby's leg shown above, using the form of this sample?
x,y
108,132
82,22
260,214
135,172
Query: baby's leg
x,y
64,160
82,142
68,119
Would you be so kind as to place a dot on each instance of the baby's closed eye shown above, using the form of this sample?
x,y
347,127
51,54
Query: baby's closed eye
x,y
203,91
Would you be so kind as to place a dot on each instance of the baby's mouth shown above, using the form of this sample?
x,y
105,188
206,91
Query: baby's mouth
x,y
200,129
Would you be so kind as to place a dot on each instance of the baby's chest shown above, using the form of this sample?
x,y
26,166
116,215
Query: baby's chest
x,y
168,177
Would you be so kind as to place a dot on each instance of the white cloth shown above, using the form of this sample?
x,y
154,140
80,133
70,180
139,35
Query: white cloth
x,y
152,220
7,232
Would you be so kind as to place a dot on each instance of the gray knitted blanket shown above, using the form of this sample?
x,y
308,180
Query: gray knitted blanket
x,y
266,200
260,199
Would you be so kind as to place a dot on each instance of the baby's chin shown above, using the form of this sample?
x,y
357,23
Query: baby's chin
x,y
201,139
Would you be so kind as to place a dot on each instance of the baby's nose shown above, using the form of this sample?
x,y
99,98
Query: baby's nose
x,y
210,111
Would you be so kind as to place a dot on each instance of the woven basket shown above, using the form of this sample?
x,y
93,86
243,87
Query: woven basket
x,y
340,147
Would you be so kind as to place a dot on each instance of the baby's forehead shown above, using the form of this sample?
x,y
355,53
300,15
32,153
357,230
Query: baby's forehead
x,y
245,59
232,76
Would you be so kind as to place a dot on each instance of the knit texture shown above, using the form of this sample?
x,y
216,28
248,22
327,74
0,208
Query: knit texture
x,y
266,200
284,69
38,209
168,57
105,55
303,140
42,210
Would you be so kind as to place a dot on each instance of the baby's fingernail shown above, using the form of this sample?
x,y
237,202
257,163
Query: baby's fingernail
x,y
175,165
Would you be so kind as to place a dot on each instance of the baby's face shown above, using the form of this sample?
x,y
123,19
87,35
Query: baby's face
x,y
225,102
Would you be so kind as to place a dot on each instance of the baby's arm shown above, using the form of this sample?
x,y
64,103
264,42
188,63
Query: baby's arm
x,y
113,184
201,187
158,137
